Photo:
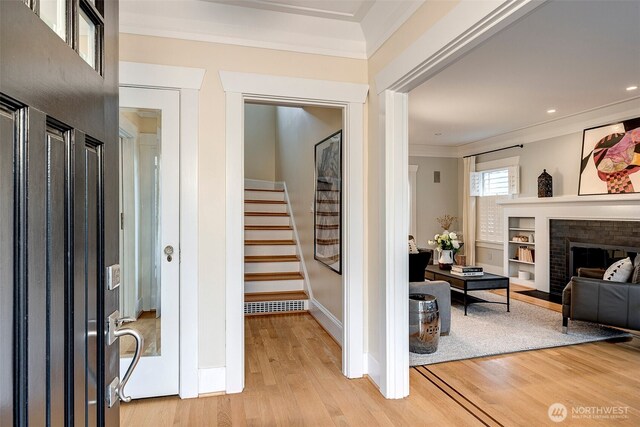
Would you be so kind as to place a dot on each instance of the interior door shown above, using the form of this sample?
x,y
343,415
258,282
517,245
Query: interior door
x,y
150,252
58,211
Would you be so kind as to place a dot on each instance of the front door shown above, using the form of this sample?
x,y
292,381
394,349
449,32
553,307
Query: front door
x,y
150,236
58,211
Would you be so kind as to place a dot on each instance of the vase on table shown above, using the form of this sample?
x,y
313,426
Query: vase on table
x,y
445,260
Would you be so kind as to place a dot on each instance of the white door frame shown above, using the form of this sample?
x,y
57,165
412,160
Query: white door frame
x,y
240,87
188,82
465,27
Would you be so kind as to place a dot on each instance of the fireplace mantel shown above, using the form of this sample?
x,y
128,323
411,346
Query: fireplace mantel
x,y
624,207
596,199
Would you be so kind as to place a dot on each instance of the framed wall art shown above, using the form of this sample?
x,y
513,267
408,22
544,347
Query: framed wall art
x,y
610,159
328,202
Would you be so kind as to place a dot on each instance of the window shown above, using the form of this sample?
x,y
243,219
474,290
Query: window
x,y
490,186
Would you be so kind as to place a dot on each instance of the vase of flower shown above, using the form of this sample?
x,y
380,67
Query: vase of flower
x,y
445,260
447,245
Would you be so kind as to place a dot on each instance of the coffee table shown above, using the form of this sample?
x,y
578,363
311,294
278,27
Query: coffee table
x,y
467,284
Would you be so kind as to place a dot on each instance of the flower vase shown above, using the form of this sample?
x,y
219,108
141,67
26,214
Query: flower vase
x,y
445,261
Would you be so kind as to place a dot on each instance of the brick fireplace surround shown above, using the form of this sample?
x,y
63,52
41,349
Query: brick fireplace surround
x,y
599,232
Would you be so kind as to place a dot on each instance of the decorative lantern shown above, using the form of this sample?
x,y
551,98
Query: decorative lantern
x,y
545,185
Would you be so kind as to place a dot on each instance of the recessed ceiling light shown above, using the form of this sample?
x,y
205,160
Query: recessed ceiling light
x,y
630,88
551,110
438,133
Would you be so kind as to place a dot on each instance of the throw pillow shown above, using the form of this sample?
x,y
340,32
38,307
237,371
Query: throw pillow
x,y
635,277
413,248
619,271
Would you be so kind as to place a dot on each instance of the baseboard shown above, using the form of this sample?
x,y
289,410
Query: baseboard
x,y
327,320
372,368
211,380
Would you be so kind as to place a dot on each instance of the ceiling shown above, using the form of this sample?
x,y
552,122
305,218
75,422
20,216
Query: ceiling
x,y
345,10
571,56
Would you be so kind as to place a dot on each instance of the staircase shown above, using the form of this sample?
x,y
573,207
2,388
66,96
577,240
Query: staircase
x,y
273,280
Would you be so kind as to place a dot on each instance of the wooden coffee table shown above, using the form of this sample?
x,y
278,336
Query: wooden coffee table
x,y
467,284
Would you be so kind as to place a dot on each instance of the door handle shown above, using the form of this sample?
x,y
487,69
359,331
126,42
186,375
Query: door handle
x,y
114,331
168,251
134,362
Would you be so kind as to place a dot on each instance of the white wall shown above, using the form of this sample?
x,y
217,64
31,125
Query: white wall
x,y
435,199
260,142
297,131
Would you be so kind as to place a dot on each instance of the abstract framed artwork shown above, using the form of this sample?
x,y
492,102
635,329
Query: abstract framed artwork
x,y
610,159
327,222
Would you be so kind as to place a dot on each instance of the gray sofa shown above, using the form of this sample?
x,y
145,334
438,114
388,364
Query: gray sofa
x,y
442,291
600,301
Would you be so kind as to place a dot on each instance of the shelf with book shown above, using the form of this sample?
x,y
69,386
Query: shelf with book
x,y
520,251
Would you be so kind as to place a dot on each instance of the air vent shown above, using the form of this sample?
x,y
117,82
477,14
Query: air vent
x,y
273,306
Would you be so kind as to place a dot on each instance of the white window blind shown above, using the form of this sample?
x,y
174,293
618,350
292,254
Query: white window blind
x,y
489,219
491,186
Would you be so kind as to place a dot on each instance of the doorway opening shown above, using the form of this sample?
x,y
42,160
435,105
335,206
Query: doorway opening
x,y
293,231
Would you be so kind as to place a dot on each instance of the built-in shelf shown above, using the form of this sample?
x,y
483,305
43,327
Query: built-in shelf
x,y
606,199
521,262
520,227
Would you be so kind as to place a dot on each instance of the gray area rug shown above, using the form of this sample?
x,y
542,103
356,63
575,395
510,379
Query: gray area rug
x,y
489,330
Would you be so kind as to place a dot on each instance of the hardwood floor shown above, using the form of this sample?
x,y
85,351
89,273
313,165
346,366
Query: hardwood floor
x,y
149,326
293,378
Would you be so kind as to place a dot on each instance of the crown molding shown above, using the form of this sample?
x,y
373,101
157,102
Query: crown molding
x,y
423,150
564,126
383,19
242,26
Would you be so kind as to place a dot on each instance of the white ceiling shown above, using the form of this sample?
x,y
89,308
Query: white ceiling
x,y
345,10
573,56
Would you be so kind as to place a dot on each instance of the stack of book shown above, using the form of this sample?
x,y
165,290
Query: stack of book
x,y
466,270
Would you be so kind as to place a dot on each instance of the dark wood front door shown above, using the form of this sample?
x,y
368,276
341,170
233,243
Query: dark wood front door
x,y
58,210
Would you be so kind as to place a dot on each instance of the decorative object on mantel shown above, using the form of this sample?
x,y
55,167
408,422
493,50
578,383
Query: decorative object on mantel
x,y
545,184
327,219
447,245
611,159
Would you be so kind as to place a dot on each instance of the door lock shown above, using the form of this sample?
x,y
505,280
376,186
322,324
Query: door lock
x,y
168,251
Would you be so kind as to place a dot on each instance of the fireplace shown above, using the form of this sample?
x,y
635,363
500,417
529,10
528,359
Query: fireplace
x,y
587,243
595,255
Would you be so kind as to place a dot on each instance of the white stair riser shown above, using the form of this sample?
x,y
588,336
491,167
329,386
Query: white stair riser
x,y
271,267
268,234
273,286
256,183
269,250
264,195
266,220
265,207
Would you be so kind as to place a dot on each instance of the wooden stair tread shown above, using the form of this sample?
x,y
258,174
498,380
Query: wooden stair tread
x,y
266,214
265,202
264,189
268,242
258,277
268,227
271,258
276,296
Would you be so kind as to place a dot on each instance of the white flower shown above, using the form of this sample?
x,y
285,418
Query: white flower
x,y
436,237
456,244
453,235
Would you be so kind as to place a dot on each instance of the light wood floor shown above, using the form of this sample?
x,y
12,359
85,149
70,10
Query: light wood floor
x,y
149,327
293,378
